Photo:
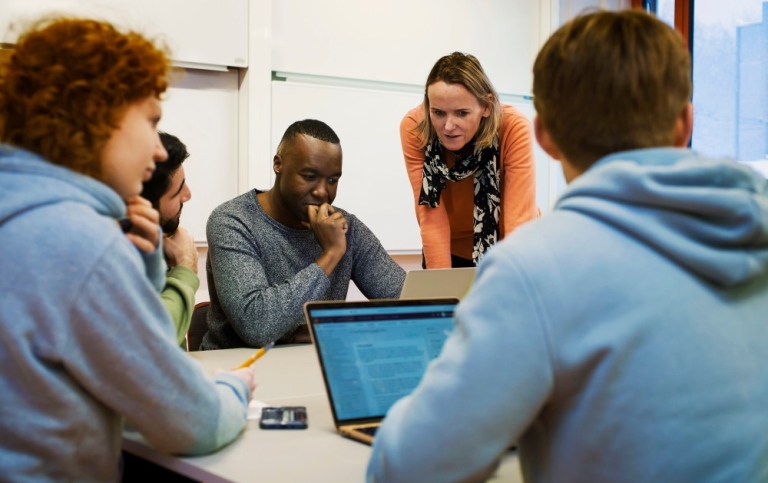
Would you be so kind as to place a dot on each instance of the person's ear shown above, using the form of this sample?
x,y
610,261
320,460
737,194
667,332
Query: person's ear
x,y
544,140
277,164
684,127
488,100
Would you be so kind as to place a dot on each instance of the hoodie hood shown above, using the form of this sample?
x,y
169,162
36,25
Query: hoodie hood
x,y
707,215
27,182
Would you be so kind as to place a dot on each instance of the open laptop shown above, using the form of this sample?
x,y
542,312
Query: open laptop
x,y
374,352
438,282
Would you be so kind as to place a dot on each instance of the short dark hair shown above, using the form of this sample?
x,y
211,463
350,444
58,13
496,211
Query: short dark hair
x,y
157,186
313,128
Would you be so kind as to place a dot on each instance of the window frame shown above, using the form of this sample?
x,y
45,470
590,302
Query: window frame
x,y
683,20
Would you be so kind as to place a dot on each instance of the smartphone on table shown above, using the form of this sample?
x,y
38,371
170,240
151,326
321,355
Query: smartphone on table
x,y
284,417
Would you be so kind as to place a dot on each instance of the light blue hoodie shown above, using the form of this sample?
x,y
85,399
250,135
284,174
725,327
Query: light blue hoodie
x,y
624,337
85,339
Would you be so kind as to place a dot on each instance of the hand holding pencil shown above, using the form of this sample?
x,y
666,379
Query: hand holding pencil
x,y
244,371
256,355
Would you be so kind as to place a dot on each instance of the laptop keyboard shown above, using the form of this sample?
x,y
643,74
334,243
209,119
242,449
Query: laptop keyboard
x,y
369,430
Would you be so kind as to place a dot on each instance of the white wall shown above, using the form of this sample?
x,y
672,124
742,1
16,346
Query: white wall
x,y
570,8
397,41
201,108
199,33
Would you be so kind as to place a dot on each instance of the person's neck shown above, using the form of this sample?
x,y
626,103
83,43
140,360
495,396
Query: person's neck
x,y
467,150
570,172
273,206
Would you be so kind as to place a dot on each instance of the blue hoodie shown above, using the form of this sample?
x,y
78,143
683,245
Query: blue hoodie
x,y
623,337
85,340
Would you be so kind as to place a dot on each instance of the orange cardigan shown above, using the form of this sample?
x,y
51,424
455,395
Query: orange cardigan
x,y
448,229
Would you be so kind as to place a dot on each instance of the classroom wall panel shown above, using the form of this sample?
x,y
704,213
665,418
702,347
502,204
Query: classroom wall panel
x,y
399,40
201,109
204,33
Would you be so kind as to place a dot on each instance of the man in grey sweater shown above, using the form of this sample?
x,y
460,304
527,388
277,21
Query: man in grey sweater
x,y
269,252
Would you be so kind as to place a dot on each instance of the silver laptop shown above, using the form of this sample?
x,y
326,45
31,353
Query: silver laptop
x,y
374,352
438,282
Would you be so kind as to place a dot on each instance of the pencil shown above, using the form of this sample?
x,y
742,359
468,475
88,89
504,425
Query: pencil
x,y
256,355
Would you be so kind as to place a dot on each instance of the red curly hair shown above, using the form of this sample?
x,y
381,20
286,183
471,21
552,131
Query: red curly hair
x,y
68,83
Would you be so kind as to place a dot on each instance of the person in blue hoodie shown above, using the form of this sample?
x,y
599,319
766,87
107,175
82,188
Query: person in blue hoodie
x,y
623,337
85,341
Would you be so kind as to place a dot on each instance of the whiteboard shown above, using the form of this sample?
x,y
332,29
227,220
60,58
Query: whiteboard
x,y
201,32
201,109
399,40
374,185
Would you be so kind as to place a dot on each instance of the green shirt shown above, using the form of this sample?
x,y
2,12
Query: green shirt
x,y
178,296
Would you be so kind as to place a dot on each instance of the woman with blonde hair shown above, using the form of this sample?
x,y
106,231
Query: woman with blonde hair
x,y
470,162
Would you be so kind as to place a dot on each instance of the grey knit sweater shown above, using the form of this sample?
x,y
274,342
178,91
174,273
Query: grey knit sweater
x,y
261,272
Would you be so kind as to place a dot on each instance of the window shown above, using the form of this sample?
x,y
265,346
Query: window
x,y
729,78
571,8
730,75
728,42
665,10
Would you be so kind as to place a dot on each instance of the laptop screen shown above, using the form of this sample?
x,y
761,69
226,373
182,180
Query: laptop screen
x,y
372,353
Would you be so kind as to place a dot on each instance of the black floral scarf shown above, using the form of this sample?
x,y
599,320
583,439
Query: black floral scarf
x,y
484,164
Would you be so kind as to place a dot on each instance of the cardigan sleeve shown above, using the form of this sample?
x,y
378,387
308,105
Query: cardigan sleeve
x,y
518,197
434,224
